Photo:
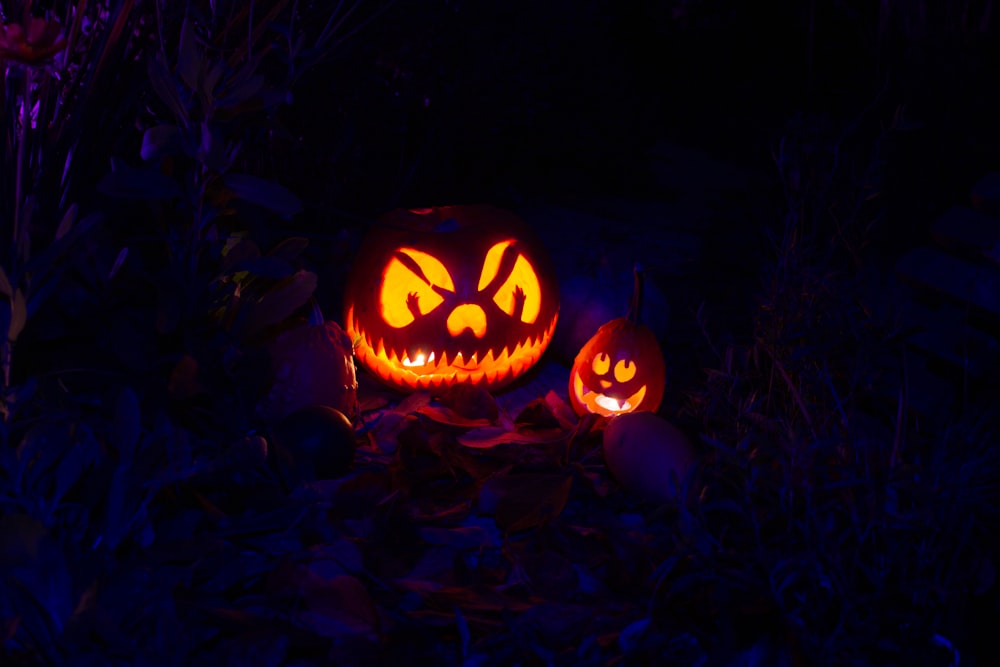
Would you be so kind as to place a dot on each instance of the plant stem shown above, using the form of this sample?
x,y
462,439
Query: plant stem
x,y
22,140
74,32
121,18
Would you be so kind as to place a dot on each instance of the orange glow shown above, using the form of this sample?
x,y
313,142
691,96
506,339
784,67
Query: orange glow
x,y
451,294
521,281
522,277
467,316
419,359
601,404
602,362
491,265
401,286
624,370
620,369
410,284
441,369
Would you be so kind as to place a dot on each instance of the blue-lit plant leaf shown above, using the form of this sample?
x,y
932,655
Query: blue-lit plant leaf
x,y
289,248
188,57
264,267
282,300
268,194
239,92
35,582
126,424
160,141
163,84
129,183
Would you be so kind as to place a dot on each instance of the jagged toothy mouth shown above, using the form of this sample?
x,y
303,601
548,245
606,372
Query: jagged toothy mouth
x,y
429,369
602,404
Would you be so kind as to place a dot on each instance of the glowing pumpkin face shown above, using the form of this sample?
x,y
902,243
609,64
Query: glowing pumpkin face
x,y
620,369
447,295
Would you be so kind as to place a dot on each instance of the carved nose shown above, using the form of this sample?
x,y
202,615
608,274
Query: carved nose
x,y
467,316
605,384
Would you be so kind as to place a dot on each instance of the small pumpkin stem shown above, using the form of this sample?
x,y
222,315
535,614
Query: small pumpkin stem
x,y
315,312
635,307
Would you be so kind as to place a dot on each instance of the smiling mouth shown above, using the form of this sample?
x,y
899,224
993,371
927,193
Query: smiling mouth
x,y
439,368
603,404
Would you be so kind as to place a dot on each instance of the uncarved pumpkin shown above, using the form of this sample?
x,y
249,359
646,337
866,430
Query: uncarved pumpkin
x,y
648,455
448,295
621,368
312,365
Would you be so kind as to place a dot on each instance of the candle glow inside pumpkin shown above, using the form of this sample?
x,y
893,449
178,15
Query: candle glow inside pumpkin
x,y
452,294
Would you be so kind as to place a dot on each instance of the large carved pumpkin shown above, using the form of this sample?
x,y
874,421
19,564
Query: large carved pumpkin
x,y
454,294
621,368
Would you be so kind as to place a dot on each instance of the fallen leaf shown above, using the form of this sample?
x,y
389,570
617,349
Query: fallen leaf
x,y
550,574
630,638
344,552
472,537
337,606
490,436
448,417
520,502
561,410
384,431
413,402
482,598
559,624
470,402
8,628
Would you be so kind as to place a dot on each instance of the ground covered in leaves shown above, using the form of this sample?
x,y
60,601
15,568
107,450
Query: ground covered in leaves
x,y
463,535
474,530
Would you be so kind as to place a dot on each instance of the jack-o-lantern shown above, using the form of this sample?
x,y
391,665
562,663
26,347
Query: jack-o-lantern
x,y
621,368
447,295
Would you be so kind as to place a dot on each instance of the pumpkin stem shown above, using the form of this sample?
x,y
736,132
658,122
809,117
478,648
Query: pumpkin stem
x,y
315,313
635,307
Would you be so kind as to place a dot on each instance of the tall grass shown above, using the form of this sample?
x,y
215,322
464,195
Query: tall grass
x,y
834,522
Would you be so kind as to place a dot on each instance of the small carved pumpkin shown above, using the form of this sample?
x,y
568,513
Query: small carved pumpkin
x,y
620,369
448,295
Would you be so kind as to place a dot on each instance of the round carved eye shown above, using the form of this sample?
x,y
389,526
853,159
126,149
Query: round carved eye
x,y
601,363
408,286
624,370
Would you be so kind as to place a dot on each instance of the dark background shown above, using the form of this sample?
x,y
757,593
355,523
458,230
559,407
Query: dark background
x,y
440,102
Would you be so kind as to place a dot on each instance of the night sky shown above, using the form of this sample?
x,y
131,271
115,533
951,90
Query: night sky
x,y
465,101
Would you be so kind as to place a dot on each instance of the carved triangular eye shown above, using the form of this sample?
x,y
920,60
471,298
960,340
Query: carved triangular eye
x,y
520,293
409,284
